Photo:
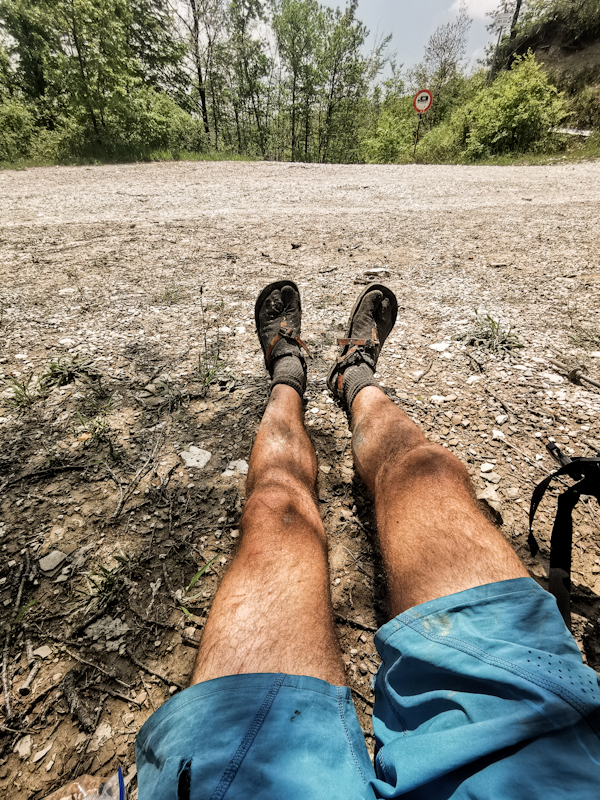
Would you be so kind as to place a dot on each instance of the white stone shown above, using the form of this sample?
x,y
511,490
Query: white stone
x,y
41,753
102,734
437,399
66,291
472,379
43,652
487,467
195,457
439,346
498,435
23,747
501,419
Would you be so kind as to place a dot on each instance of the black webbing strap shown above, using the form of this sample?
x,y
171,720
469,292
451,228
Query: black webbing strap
x,y
586,471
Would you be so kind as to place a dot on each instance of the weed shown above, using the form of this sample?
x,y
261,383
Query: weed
x,y
107,584
488,334
208,358
63,371
24,394
196,577
586,338
169,296
99,399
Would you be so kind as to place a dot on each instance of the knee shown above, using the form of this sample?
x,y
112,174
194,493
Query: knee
x,y
434,463
281,508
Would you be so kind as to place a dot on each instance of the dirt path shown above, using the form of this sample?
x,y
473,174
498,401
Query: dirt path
x,y
137,272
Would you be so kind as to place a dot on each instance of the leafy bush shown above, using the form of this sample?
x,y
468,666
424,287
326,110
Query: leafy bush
x,y
439,145
392,141
16,130
516,114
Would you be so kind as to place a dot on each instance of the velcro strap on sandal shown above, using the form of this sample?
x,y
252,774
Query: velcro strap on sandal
x,y
355,356
285,333
358,342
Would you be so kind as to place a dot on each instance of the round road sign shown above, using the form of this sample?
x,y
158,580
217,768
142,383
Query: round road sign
x,y
423,101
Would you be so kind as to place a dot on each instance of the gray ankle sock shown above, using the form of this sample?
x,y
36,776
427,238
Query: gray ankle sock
x,y
355,379
290,370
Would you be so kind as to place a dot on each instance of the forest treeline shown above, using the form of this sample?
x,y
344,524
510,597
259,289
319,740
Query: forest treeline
x,y
273,79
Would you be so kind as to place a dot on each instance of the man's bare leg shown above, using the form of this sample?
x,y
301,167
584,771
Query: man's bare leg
x,y
272,612
434,540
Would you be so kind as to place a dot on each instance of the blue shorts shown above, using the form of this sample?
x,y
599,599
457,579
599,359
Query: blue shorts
x,y
482,694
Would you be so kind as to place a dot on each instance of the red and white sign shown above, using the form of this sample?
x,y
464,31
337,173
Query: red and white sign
x,y
422,101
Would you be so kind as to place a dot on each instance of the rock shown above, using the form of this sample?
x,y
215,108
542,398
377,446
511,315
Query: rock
x,y
473,379
492,477
486,467
41,753
512,493
195,457
111,628
325,468
490,496
498,435
23,747
102,734
501,419
240,467
43,652
437,399
377,272
537,570
439,346
51,563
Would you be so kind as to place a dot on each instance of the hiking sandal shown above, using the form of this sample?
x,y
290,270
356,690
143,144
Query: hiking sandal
x,y
371,320
278,316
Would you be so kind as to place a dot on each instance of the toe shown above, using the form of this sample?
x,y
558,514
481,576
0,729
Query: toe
x,y
290,299
273,306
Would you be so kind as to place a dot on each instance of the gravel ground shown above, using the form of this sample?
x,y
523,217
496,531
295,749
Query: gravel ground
x,y
133,281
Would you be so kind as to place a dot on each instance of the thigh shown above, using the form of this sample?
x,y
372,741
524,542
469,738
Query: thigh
x,y
259,736
484,694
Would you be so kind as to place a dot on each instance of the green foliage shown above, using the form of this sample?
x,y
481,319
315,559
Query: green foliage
x,y
515,114
16,130
394,137
489,334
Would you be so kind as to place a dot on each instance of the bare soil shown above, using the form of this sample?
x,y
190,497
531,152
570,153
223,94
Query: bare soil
x,y
143,270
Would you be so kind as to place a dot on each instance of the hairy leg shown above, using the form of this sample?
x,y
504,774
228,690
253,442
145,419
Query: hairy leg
x,y
272,612
434,539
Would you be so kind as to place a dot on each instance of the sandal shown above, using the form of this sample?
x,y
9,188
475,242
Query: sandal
x,y
278,316
371,321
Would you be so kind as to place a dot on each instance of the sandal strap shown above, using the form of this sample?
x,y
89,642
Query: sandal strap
x,y
285,333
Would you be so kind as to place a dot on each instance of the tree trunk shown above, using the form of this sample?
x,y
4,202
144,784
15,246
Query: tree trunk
x,y
513,27
294,117
201,84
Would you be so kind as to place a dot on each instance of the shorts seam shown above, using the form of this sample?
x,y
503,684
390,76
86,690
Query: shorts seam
x,y
182,705
236,762
585,709
340,700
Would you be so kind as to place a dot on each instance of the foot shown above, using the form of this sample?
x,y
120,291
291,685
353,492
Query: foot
x,y
371,320
278,315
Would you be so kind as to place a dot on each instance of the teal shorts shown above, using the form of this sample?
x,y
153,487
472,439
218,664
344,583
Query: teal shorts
x,y
480,695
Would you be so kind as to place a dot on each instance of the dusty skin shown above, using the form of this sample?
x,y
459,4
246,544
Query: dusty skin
x,y
112,263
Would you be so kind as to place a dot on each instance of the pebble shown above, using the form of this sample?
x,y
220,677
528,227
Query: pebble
x,y
52,562
23,747
492,477
512,493
195,457
43,652
439,346
240,466
498,435
501,419
487,467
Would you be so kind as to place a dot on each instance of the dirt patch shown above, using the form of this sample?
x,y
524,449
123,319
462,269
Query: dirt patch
x,y
135,282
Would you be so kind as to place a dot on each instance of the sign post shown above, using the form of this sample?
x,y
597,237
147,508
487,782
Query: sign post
x,y
421,103
501,22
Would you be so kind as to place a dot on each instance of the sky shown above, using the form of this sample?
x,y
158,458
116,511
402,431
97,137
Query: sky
x,y
412,23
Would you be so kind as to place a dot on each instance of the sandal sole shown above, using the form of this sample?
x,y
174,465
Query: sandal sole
x,y
370,288
261,299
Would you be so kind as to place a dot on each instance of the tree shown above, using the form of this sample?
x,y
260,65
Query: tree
x,y
443,62
296,25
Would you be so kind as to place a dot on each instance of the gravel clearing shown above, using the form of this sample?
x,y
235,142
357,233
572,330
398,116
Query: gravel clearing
x,y
139,271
